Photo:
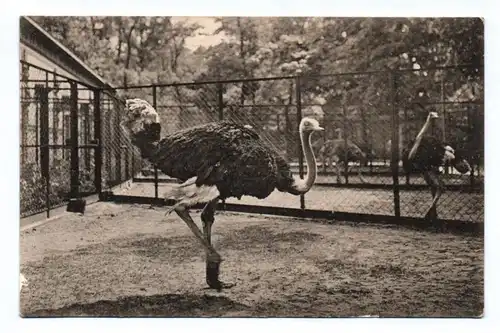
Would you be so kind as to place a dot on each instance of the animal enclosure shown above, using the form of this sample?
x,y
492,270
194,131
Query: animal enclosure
x,y
71,142
74,130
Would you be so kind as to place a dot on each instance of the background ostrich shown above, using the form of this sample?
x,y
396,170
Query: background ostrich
x,y
426,154
216,161
336,150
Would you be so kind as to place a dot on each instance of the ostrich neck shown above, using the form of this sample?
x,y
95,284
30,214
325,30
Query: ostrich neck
x,y
304,185
147,149
418,139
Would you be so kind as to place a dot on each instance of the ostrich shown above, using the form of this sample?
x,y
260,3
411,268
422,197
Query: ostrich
x,y
216,161
426,154
335,151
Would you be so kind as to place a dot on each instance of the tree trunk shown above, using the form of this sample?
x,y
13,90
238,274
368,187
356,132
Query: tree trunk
x,y
129,54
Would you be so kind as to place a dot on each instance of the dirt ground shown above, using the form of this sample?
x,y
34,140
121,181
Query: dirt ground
x,y
129,260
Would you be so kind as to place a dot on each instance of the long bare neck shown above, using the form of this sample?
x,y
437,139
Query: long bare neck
x,y
418,139
304,185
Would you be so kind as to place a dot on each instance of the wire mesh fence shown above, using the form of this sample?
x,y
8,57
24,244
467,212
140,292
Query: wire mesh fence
x,y
60,143
72,141
456,94
363,114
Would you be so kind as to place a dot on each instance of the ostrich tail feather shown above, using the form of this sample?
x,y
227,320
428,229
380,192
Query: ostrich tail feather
x,y
188,194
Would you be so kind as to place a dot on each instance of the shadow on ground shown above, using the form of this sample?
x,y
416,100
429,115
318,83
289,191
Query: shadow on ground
x,y
168,305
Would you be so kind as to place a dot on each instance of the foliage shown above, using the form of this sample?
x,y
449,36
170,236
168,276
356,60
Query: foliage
x,y
138,50
33,186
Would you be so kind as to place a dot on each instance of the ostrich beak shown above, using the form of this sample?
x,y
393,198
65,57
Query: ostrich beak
x,y
319,128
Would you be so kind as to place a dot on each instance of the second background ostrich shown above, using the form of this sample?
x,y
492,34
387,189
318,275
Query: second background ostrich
x,y
425,155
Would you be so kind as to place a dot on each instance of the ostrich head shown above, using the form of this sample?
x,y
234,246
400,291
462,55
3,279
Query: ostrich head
x,y
141,121
457,159
309,125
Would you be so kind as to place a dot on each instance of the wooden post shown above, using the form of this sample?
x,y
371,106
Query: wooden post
x,y
43,95
74,158
298,100
395,145
155,167
98,141
346,148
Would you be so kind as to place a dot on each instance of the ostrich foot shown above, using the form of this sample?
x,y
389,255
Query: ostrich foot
x,y
429,215
212,278
437,226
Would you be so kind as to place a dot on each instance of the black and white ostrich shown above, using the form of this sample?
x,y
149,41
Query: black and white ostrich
x,y
426,154
342,152
216,161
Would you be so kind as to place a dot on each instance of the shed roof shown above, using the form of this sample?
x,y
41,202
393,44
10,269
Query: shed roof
x,y
37,38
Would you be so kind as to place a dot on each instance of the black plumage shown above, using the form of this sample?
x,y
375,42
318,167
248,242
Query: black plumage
x,y
429,155
226,155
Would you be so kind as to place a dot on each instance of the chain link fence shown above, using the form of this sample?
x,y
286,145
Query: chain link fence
x,y
72,143
456,94
363,113
61,152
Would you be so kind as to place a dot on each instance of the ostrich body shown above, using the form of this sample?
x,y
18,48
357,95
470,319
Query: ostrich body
x,y
426,154
336,150
216,161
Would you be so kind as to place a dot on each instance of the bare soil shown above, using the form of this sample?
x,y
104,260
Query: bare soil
x,y
129,260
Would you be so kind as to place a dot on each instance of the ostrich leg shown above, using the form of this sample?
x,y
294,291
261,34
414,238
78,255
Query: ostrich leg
x,y
207,217
212,268
436,184
212,256
338,165
361,178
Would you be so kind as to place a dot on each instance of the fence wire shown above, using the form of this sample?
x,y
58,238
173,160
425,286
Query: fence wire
x,y
456,94
362,113
359,169
46,106
71,142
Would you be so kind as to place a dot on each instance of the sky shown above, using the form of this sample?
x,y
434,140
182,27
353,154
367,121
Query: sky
x,y
209,27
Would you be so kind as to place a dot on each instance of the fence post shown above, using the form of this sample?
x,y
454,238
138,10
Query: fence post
x,y
298,100
43,95
471,125
98,141
74,158
346,147
155,168
220,101
395,144
443,109
118,136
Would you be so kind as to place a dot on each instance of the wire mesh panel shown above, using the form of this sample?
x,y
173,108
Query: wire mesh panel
x,y
57,122
369,118
120,158
354,167
456,94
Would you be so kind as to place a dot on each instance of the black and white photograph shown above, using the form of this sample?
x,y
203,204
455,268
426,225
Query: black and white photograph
x,y
251,166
